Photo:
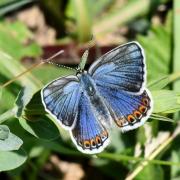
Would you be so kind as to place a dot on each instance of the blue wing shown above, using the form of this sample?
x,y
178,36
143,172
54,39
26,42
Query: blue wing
x,y
60,98
128,111
89,135
122,68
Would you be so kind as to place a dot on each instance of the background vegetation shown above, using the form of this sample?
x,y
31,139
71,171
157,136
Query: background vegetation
x,y
32,145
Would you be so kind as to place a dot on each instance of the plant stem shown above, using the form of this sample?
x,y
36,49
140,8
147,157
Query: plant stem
x,y
31,68
21,74
8,114
144,163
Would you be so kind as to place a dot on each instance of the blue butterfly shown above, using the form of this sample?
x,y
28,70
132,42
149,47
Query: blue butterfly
x,y
112,90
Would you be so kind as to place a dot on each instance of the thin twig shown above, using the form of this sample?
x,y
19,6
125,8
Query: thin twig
x,y
31,68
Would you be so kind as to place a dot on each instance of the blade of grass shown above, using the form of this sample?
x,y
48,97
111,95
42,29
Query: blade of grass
x,y
163,81
151,157
6,65
176,57
176,61
120,158
7,62
162,118
8,114
132,10
12,5
83,19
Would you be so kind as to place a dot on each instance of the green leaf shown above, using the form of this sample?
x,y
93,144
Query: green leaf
x,y
15,35
6,64
4,132
111,21
8,114
53,72
159,83
23,98
141,135
175,171
165,101
10,5
157,46
12,159
163,81
35,106
1,89
11,143
83,19
176,43
151,172
40,126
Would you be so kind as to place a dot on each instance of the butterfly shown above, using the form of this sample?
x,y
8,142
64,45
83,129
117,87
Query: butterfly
x,y
111,91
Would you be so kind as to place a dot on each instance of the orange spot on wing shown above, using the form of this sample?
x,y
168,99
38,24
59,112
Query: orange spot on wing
x,y
86,144
137,114
142,109
130,118
93,143
98,140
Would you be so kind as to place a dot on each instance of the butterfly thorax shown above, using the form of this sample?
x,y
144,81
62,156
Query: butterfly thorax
x,y
87,83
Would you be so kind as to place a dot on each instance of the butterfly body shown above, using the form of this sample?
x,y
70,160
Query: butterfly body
x,y
113,89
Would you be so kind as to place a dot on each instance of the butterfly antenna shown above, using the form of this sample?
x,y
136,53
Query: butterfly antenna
x,y
85,55
49,60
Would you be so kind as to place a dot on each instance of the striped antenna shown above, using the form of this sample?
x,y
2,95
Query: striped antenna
x,y
49,60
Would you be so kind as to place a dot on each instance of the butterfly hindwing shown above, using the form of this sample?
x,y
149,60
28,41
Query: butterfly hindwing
x,y
128,111
61,99
89,135
122,68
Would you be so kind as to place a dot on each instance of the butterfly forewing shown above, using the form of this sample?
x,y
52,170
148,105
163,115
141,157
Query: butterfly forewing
x,y
61,99
122,68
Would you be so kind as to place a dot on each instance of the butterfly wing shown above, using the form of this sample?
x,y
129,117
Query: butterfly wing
x,y
120,76
128,111
89,135
60,98
122,68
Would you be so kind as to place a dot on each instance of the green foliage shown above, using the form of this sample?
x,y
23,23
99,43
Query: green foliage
x,y
151,172
36,134
4,132
41,127
11,159
158,52
7,6
8,141
16,34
